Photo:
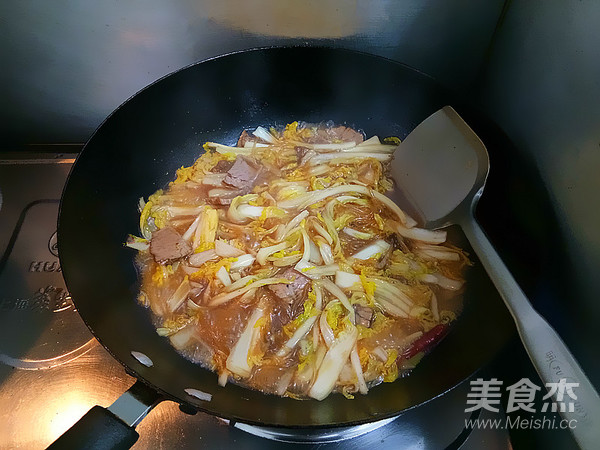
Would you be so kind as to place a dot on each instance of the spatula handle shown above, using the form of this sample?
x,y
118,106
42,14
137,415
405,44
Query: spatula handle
x,y
549,354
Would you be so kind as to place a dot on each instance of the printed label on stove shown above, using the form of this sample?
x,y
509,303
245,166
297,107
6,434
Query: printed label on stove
x,y
49,298
44,266
47,265
53,244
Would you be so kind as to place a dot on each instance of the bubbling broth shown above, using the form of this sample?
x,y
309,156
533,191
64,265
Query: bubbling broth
x,y
280,264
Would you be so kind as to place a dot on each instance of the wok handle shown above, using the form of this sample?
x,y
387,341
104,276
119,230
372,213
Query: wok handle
x,y
97,429
113,427
549,354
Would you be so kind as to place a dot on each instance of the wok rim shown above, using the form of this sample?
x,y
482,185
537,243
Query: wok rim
x,y
164,394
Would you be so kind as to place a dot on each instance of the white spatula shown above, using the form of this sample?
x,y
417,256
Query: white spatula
x,y
442,167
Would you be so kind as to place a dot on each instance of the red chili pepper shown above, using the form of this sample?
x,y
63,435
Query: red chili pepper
x,y
426,342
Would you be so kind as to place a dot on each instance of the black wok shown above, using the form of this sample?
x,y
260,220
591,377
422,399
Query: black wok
x,y
139,147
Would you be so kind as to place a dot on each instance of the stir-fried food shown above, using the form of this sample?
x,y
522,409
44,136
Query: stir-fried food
x,y
281,264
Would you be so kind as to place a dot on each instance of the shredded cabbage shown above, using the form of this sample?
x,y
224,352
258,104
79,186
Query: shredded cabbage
x,y
239,361
328,272
333,362
206,230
